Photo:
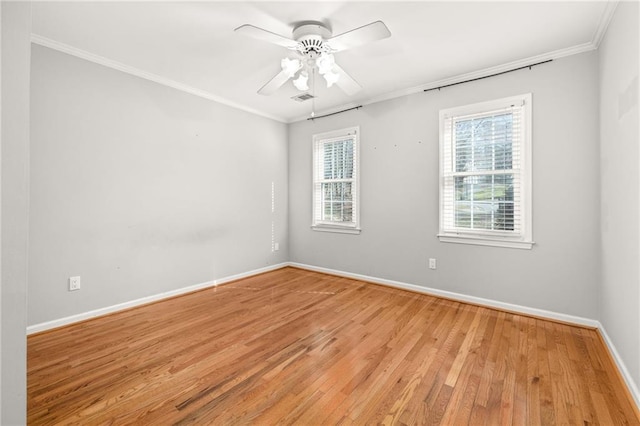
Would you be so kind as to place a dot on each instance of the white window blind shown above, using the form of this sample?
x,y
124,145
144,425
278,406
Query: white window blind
x,y
335,181
485,173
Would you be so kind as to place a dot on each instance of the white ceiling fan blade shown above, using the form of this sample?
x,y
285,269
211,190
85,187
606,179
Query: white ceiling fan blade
x,y
346,82
261,34
371,32
274,84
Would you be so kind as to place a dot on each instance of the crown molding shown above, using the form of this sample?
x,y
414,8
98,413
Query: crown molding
x,y
101,60
605,19
603,24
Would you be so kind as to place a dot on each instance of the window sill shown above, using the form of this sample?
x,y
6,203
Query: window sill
x,y
485,241
335,229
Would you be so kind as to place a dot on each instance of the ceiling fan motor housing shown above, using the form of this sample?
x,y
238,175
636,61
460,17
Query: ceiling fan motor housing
x,y
311,39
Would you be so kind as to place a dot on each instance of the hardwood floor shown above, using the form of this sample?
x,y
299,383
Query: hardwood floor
x,y
293,346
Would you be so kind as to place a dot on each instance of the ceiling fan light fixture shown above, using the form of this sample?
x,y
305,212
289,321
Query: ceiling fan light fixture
x,y
314,43
290,66
301,82
331,78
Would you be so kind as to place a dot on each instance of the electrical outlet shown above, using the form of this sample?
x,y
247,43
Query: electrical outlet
x,y
432,263
276,247
74,283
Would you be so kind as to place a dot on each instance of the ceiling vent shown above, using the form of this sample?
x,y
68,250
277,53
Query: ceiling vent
x,y
303,97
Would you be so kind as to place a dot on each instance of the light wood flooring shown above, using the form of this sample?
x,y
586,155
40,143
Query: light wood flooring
x,y
293,346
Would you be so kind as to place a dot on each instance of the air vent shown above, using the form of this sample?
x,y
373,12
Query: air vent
x,y
303,97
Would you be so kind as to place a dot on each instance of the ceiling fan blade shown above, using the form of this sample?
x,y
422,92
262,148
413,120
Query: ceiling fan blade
x,y
346,82
274,84
371,32
261,34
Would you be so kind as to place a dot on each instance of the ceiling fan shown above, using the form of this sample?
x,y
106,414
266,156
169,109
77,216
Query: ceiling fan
x,y
315,45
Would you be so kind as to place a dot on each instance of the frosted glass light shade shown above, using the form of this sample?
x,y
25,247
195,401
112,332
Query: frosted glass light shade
x,y
331,78
325,63
301,81
290,66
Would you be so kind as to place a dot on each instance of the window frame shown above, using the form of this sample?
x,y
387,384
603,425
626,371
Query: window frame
x,y
522,239
352,227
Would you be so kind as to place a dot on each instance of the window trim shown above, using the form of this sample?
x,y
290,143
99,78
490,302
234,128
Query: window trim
x,y
324,226
523,240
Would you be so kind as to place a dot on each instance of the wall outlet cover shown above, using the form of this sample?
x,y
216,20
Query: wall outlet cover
x,y
74,283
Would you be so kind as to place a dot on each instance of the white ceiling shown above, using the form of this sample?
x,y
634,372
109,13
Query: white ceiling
x,y
192,45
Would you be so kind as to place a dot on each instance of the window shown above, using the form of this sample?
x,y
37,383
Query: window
x,y
335,181
485,173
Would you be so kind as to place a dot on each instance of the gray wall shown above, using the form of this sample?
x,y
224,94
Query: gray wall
x,y
16,33
620,180
141,189
399,194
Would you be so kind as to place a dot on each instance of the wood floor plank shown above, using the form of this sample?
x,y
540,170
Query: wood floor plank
x,y
298,347
533,375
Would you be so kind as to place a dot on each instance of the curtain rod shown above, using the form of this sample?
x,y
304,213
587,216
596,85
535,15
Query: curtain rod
x,y
446,85
334,113
487,76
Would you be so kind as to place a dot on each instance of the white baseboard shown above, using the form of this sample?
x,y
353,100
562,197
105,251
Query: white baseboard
x,y
37,328
458,296
631,385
